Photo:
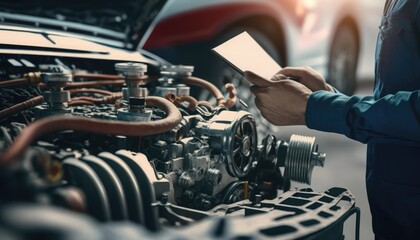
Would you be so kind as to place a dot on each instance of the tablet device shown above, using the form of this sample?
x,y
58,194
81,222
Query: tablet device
x,y
243,53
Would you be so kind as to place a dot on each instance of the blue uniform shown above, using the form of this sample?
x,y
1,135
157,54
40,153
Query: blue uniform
x,y
389,122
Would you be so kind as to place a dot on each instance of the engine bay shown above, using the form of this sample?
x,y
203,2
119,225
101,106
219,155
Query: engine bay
x,y
128,143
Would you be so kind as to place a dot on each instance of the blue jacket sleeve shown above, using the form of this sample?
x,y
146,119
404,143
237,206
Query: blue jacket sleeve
x,y
392,118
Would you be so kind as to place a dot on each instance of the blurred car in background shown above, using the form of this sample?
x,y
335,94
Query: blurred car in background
x,y
334,37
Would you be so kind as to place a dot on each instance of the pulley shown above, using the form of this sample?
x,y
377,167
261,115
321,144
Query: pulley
x,y
302,156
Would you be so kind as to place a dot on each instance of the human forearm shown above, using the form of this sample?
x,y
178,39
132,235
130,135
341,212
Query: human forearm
x,y
365,119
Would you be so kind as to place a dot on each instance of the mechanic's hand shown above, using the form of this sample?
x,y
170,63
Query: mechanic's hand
x,y
308,77
281,101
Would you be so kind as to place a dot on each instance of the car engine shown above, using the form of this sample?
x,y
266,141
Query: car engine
x,y
124,150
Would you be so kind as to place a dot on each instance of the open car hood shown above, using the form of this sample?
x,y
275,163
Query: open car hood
x,y
120,23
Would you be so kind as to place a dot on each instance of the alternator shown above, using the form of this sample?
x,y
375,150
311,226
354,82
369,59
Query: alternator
x,y
234,135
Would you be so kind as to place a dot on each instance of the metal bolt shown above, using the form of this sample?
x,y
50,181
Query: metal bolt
x,y
213,176
134,75
131,70
177,71
164,198
188,195
56,98
318,159
257,200
168,165
206,204
56,81
185,180
166,81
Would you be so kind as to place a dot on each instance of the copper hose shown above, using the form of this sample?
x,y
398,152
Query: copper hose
x,y
170,96
94,83
79,102
13,82
97,76
91,90
88,84
21,106
110,96
178,100
231,101
31,78
97,126
192,102
205,103
97,82
107,77
106,99
88,99
206,85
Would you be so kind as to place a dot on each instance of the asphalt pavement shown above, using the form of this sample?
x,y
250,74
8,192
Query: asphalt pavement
x,y
345,166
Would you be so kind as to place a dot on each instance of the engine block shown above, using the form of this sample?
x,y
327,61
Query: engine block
x,y
142,149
